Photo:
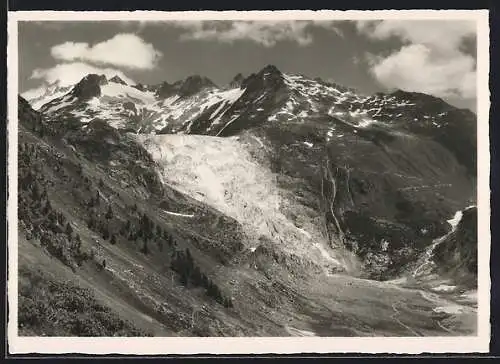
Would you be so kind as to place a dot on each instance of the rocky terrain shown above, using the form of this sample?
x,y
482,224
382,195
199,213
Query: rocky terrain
x,y
275,205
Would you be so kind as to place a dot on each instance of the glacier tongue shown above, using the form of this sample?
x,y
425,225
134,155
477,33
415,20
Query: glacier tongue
x,y
223,173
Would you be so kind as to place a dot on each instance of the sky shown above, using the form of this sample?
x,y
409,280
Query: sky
x,y
436,57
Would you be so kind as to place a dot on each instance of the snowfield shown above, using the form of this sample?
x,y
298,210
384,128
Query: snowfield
x,y
116,90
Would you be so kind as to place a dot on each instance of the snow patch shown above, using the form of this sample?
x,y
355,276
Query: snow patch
x,y
229,97
365,123
228,123
94,101
455,220
444,288
451,309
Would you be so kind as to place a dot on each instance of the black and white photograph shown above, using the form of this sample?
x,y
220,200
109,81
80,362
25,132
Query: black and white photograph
x,y
306,176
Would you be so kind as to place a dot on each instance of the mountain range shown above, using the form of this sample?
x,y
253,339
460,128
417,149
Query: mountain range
x,y
274,205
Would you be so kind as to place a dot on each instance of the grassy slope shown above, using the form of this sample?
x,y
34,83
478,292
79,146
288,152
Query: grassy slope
x,y
151,284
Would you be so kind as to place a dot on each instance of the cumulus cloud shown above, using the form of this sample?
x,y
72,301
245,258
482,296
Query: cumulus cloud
x,y
67,74
123,50
265,33
430,59
261,32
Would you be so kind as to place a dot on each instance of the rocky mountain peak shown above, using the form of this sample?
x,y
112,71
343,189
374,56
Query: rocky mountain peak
x,y
272,69
89,87
187,87
268,77
117,79
139,86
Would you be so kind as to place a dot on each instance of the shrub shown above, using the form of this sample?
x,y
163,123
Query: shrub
x,y
63,309
69,229
109,213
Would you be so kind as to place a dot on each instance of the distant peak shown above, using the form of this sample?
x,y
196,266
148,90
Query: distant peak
x,y
236,81
194,84
117,79
55,85
139,86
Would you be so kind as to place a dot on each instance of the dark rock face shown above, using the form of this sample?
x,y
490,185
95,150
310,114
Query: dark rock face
x,y
31,119
129,105
117,79
457,254
265,92
89,87
144,88
430,116
382,195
